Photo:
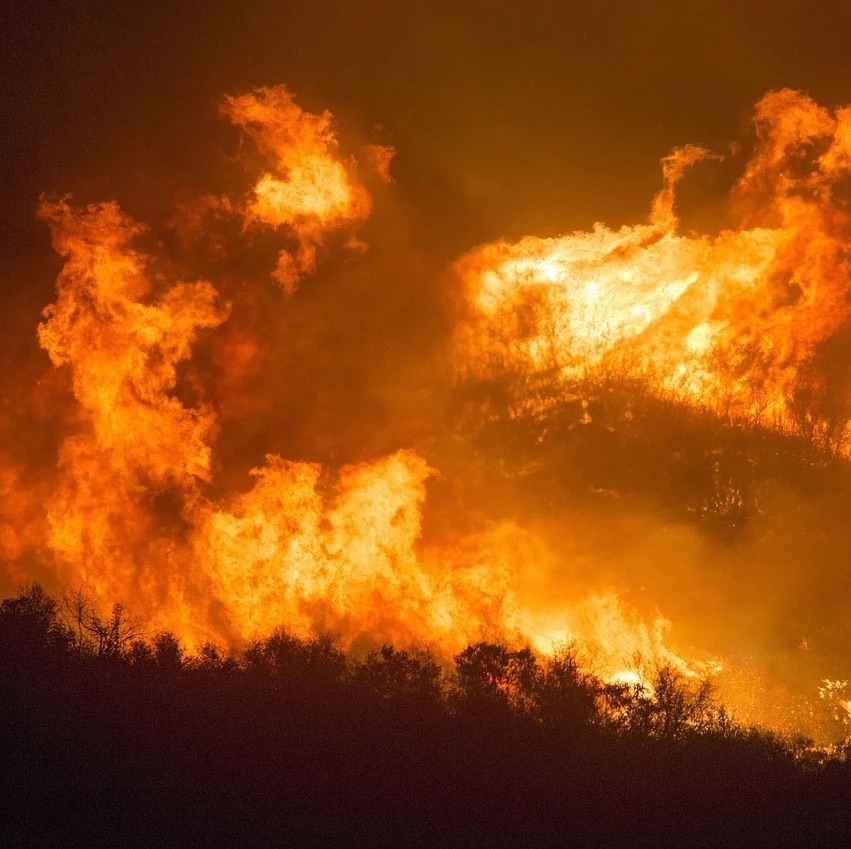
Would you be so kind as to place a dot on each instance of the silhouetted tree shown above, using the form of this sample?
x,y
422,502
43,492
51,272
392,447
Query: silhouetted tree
x,y
211,658
680,705
820,401
624,706
491,676
400,675
567,696
140,653
104,636
168,652
285,657
31,629
668,706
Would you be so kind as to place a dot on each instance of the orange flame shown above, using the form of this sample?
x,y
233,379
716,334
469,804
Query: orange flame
x,y
130,517
720,321
312,189
138,443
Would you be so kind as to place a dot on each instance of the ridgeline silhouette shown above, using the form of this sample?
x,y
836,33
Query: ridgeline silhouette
x,y
114,737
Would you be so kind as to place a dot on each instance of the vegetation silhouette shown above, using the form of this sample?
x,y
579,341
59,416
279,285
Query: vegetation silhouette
x,y
293,742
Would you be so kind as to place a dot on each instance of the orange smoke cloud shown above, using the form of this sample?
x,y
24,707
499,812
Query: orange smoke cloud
x,y
726,321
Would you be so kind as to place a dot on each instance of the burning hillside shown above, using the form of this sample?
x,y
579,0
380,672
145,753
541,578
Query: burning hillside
x,y
732,322
136,506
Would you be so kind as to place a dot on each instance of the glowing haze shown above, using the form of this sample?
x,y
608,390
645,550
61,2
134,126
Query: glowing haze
x,y
727,321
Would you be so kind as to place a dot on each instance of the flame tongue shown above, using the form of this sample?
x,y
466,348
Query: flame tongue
x,y
313,190
282,552
123,346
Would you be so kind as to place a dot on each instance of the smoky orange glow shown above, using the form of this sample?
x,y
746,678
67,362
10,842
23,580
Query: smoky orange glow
x,y
729,322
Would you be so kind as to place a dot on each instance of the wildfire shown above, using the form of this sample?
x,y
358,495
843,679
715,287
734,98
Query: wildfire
x,y
132,517
729,321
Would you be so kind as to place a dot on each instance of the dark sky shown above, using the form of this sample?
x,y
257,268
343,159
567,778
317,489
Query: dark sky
x,y
509,118
548,114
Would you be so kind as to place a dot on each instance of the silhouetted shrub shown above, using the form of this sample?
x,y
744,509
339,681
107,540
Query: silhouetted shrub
x,y
292,743
168,652
566,696
286,658
491,677
395,674
31,631
94,633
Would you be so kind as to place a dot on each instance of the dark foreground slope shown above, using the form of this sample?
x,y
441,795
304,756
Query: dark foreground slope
x,y
107,741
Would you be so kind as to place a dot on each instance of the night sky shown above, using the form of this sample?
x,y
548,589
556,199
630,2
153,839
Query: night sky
x,y
543,117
